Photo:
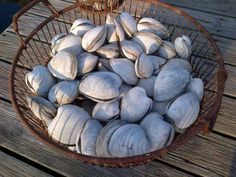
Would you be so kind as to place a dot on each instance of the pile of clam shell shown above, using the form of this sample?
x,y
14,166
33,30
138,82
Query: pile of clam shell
x,y
116,90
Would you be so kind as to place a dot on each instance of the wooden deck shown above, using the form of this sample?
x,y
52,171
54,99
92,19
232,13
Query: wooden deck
x,y
211,155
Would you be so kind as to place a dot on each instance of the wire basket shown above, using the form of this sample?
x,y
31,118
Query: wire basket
x,y
206,61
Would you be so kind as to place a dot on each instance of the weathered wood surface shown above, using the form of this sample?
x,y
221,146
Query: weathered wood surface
x,y
213,155
12,167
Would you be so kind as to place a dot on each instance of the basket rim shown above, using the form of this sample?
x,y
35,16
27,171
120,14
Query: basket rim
x,y
197,127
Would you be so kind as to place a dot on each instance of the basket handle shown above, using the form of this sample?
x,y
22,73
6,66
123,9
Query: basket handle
x,y
25,9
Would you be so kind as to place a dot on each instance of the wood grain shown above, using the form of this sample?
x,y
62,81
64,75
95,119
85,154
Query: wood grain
x,y
12,167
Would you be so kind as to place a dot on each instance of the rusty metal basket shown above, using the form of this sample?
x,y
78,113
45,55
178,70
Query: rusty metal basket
x,y
206,60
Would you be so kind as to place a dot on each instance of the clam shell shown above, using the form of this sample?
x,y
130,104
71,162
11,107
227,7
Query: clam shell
x,y
94,38
128,23
183,46
157,62
68,124
69,43
114,30
135,104
124,89
42,108
143,66
86,63
56,39
40,80
166,50
64,92
196,85
148,41
160,106
128,140
100,86
125,69
81,26
57,66
184,110
177,63
86,142
130,49
105,112
170,84
148,85
159,132
153,26
109,51
119,31
104,65
104,137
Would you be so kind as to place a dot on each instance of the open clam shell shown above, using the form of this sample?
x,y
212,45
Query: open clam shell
x,y
57,66
196,85
125,69
105,112
94,38
86,63
81,26
183,46
143,66
128,23
184,110
177,63
105,135
128,140
166,50
148,41
86,141
40,80
130,49
109,51
100,86
159,132
148,85
68,124
42,108
170,84
64,92
152,25
135,104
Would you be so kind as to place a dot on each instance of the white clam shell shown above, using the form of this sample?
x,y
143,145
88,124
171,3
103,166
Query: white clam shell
x,y
183,46
177,63
125,69
86,142
128,140
109,51
196,85
100,86
63,66
104,65
64,92
81,26
69,43
68,124
166,50
157,62
56,39
160,106
159,132
128,23
42,108
105,112
40,80
153,26
131,49
135,104
124,89
148,41
148,85
86,63
104,137
143,66
94,38
170,84
184,110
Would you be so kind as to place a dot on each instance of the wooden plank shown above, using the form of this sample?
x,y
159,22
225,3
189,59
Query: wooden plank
x,y
17,139
11,167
